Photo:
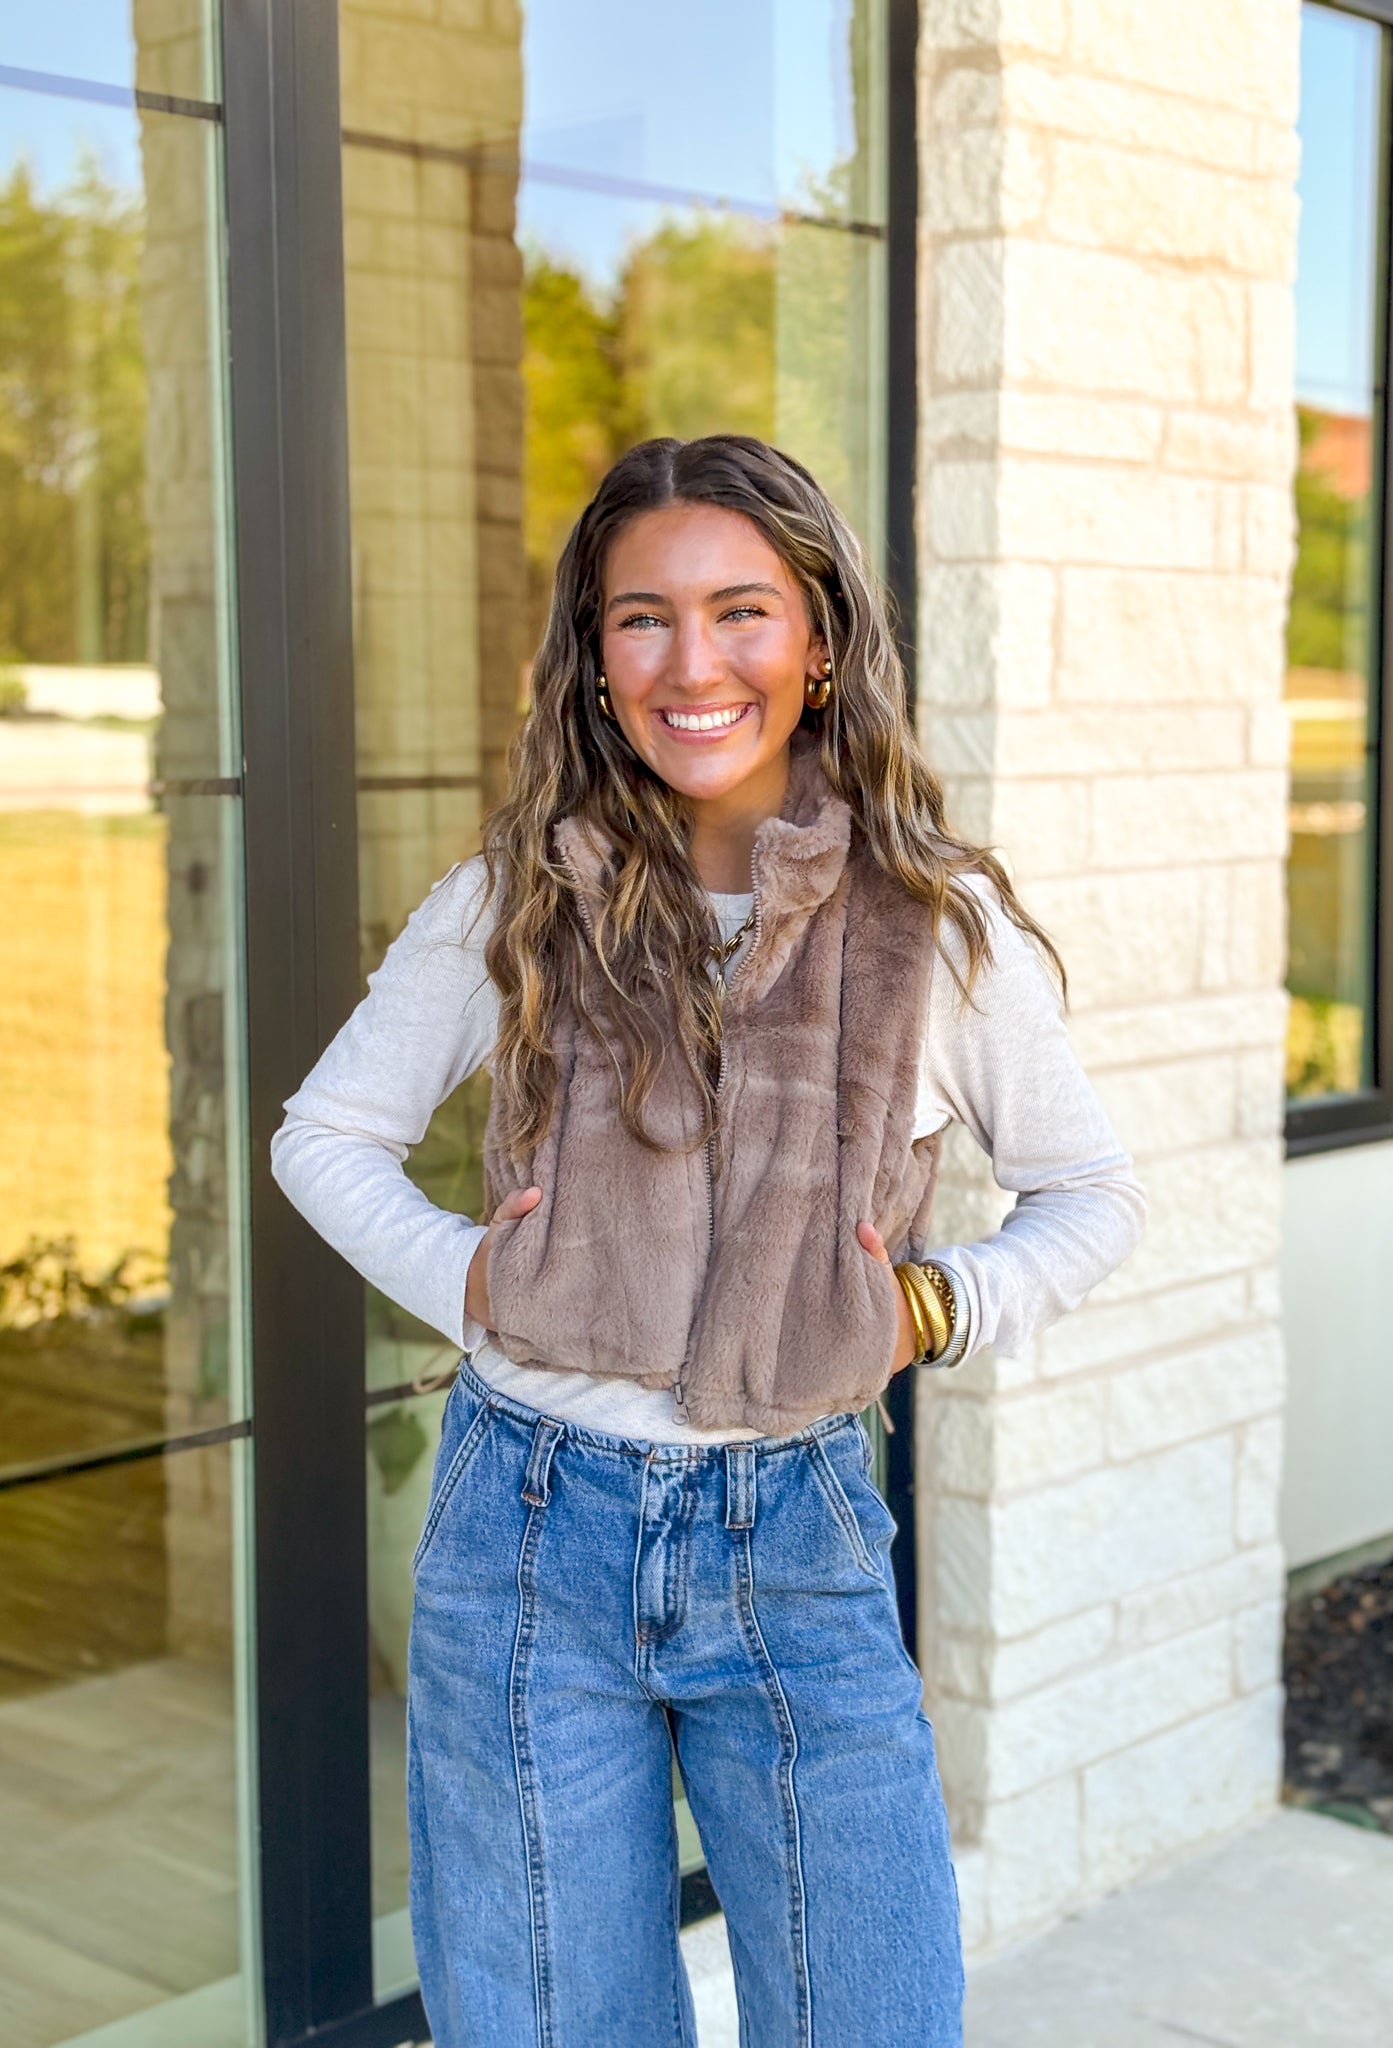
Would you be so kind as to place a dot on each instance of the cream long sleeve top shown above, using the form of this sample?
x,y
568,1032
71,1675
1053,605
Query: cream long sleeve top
x,y
1002,1066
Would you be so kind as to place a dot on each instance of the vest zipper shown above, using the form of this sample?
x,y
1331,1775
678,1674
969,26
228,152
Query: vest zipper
x,y
680,1389
581,905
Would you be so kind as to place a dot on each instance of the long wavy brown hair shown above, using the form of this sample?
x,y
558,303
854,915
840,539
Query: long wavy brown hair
x,y
644,987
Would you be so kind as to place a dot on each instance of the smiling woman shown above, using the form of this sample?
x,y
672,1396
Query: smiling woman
x,y
546,260
708,1188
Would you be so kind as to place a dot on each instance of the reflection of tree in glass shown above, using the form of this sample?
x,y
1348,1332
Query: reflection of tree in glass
x,y
1327,626
74,541
1325,1048
716,324
45,1283
573,391
683,346
1327,652
81,1353
696,327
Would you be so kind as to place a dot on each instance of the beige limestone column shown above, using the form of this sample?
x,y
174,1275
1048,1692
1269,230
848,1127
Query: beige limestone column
x,y
1107,249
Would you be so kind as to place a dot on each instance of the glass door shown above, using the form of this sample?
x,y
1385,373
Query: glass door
x,y
125,1902
542,266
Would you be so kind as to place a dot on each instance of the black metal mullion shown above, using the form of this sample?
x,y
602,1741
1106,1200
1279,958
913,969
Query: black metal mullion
x,y
1381,699
280,67
901,458
901,319
389,2025
38,1471
1374,10
103,93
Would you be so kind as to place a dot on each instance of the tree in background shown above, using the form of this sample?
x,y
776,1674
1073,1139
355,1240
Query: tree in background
x,y
74,536
575,412
696,319
682,345
1328,623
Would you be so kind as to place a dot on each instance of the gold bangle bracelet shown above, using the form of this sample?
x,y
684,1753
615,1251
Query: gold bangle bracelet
x,y
943,1288
930,1318
916,1316
935,1314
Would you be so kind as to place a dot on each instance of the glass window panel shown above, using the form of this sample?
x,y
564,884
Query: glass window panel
x,y
166,48
530,289
122,1793
640,319
402,1440
1330,678
120,997
779,108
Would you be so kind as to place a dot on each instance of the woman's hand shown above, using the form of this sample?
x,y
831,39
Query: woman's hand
x,y
906,1341
476,1280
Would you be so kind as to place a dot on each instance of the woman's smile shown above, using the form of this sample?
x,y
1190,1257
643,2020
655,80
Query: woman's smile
x,y
697,723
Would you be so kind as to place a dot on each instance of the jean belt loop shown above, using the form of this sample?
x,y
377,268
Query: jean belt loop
x,y
536,1485
740,1486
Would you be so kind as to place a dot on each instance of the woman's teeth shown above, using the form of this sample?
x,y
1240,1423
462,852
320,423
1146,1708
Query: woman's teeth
x,y
703,721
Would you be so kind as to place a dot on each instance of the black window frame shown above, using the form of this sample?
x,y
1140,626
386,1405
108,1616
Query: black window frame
x,y
293,604
1330,1123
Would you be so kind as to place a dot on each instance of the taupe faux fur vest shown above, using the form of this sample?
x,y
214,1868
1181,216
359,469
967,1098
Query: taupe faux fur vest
x,y
750,1295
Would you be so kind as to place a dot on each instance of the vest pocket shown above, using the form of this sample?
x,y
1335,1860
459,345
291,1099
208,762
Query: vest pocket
x,y
451,1465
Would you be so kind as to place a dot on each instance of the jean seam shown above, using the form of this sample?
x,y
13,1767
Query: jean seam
x,y
642,1642
788,1793
464,1453
525,1772
826,1474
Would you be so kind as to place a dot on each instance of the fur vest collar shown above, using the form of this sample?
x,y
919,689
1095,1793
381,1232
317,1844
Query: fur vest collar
x,y
746,1291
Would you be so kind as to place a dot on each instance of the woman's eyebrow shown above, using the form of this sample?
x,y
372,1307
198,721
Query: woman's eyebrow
x,y
714,597
744,590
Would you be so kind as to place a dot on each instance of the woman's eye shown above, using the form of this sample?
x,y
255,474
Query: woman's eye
x,y
640,619
744,611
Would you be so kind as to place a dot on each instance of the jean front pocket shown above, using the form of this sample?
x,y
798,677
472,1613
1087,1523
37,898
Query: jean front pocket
x,y
861,1514
462,1424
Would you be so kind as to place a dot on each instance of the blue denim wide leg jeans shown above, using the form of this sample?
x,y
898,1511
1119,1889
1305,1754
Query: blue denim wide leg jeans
x,y
582,1604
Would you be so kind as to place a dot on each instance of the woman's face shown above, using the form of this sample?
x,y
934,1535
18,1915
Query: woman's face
x,y
707,647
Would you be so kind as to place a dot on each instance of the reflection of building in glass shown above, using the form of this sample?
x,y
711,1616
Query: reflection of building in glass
x,y
191,752
118,848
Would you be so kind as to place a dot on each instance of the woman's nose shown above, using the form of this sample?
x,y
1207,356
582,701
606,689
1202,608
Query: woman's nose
x,y
696,661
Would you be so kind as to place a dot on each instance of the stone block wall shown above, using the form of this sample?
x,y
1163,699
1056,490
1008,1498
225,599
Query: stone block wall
x,y
1106,529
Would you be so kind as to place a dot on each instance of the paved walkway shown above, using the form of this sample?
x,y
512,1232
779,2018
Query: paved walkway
x,y
1281,1937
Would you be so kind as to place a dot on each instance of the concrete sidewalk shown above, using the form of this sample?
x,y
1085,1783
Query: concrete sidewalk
x,y
1279,1937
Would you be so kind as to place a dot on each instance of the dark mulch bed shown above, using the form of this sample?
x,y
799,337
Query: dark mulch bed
x,y
1339,1677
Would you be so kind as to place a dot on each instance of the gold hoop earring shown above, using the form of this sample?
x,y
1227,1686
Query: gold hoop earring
x,y
602,695
816,694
